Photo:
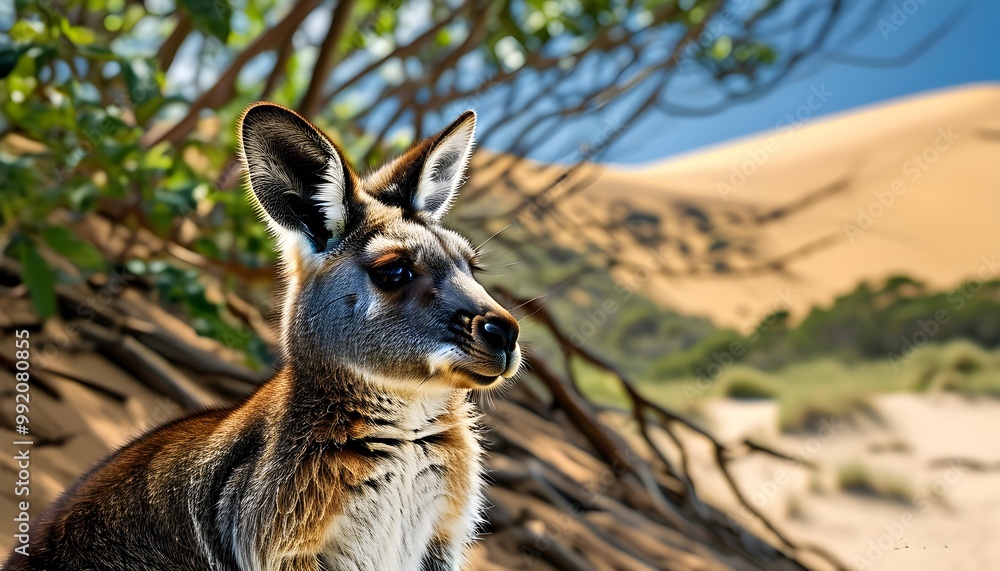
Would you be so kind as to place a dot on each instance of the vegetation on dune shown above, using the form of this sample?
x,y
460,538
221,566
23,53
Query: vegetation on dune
x,y
812,389
899,336
888,321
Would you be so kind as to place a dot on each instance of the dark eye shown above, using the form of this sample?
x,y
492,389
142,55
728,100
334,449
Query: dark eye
x,y
391,275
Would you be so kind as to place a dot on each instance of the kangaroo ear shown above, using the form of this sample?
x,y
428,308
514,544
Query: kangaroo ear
x,y
297,176
444,168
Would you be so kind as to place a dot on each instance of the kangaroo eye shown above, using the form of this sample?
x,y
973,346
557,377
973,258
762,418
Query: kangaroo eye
x,y
391,275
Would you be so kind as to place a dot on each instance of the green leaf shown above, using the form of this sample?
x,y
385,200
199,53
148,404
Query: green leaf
x,y
140,78
210,16
158,157
767,54
144,87
25,31
82,254
161,215
77,34
722,48
39,278
207,247
9,54
97,52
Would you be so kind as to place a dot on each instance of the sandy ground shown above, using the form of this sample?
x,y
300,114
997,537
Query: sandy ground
x,y
940,453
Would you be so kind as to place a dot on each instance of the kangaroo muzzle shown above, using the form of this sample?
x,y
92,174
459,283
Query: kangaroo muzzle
x,y
496,333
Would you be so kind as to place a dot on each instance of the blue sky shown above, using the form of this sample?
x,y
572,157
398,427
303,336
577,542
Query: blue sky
x,y
969,52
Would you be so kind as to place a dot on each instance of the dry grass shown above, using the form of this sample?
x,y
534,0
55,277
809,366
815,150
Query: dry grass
x,y
862,479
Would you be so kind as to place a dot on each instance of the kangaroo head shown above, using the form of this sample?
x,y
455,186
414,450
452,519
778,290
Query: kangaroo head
x,y
374,283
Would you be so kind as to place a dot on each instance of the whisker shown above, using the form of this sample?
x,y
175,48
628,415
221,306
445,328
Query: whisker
x,y
522,304
484,253
521,321
495,234
529,315
502,265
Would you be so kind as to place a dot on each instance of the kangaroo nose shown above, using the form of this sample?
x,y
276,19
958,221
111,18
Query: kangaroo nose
x,y
500,334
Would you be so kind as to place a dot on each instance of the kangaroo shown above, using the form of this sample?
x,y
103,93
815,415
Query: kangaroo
x,y
361,452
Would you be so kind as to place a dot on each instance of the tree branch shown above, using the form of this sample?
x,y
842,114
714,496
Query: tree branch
x,y
312,99
225,87
165,57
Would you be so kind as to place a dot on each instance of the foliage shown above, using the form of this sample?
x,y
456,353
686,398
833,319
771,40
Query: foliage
x,y
887,322
872,340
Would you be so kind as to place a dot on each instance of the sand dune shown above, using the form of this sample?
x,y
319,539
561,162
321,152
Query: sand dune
x,y
912,186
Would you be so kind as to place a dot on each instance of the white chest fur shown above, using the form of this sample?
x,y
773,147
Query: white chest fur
x,y
388,523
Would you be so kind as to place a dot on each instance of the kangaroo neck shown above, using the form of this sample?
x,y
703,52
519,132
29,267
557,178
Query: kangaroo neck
x,y
339,404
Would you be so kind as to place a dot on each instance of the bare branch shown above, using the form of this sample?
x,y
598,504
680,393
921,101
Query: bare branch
x,y
165,57
311,100
225,87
